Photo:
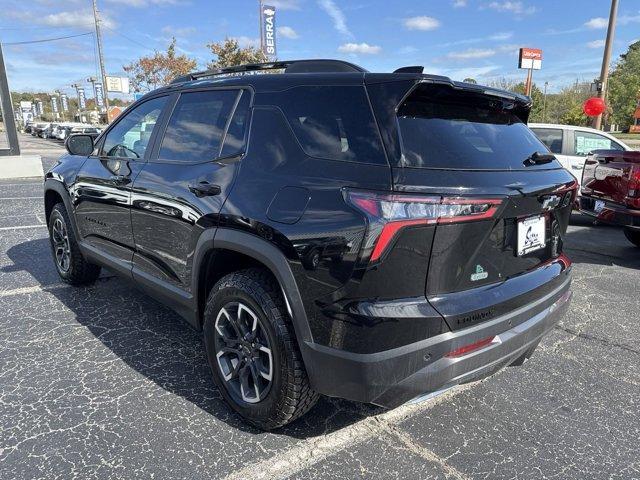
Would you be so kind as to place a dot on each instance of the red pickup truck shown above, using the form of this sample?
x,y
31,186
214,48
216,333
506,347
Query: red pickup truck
x,y
611,190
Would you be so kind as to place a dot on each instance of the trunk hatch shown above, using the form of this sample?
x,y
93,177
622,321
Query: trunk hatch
x,y
459,143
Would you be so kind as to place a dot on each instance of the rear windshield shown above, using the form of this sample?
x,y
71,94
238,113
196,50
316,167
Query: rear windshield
x,y
444,128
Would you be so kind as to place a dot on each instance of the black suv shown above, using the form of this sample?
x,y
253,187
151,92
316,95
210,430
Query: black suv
x,y
370,236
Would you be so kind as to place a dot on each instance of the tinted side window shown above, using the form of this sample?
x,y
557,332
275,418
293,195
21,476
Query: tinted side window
x,y
551,137
333,122
130,137
585,142
196,126
234,140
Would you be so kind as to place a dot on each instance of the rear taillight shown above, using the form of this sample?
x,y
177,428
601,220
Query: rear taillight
x,y
388,214
633,187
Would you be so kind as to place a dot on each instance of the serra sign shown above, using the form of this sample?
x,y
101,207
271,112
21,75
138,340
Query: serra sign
x,y
268,25
530,58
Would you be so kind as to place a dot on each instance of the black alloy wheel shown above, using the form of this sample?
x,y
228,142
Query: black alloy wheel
x,y
61,246
243,353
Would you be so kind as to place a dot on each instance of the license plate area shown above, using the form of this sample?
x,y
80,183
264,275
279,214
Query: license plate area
x,y
531,234
598,206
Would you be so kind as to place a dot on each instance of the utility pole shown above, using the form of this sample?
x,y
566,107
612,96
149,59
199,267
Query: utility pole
x,y
606,59
75,86
96,19
544,103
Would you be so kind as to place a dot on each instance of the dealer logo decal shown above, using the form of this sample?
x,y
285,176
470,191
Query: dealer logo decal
x,y
479,275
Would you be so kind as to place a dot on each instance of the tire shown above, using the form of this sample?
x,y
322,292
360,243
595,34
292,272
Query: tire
x,y
67,257
277,387
633,236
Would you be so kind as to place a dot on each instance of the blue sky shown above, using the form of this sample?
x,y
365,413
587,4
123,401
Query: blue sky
x,y
458,38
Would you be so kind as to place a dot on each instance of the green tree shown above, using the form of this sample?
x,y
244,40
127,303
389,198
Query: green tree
x,y
470,80
624,86
150,72
229,53
537,97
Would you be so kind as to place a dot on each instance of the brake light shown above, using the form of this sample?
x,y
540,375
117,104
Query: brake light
x,y
633,187
471,347
388,214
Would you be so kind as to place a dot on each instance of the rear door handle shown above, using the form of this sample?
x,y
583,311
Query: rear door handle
x,y
205,189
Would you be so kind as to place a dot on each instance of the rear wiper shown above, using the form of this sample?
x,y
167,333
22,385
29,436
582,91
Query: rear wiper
x,y
537,158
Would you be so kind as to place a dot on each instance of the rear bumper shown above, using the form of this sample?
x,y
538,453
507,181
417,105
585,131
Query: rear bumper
x,y
393,377
612,213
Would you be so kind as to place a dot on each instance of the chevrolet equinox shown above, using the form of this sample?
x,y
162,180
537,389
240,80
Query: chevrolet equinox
x,y
369,236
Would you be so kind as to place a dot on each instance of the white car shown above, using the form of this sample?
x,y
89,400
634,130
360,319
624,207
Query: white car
x,y
571,144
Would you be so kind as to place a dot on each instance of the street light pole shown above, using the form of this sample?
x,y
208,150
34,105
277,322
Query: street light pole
x,y
103,75
606,59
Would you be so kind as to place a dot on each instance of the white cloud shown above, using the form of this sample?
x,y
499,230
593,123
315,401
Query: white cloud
x,y
501,36
285,4
472,53
459,3
515,7
596,23
356,48
144,3
421,23
74,18
178,31
596,44
474,72
407,50
337,15
244,41
626,19
287,32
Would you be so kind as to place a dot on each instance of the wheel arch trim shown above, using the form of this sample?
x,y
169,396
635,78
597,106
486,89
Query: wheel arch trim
x,y
58,187
267,254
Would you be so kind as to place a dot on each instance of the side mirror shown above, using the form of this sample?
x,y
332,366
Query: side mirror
x,y
79,144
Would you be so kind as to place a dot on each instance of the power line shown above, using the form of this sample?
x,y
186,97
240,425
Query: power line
x,y
128,38
48,39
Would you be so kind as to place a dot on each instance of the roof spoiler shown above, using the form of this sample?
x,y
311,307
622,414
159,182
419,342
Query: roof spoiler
x,y
289,66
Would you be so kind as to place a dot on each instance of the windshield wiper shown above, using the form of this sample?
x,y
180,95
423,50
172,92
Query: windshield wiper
x,y
537,158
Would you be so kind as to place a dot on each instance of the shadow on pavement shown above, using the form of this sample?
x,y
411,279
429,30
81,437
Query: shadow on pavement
x,y
599,244
156,343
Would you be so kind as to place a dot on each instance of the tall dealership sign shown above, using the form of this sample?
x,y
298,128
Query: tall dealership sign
x,y
268,30
64,102
531,59
82,100
99,95
54,105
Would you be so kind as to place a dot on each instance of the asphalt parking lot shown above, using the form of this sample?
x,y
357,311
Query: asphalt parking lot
x,y
103,382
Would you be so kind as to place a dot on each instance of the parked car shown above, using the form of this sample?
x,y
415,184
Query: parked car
x,y
571,144
611,190
37,128
369,236
76,129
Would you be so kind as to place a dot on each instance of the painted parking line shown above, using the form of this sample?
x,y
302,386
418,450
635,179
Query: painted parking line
x,y
34,289
25,184
316,449
40,197
23,227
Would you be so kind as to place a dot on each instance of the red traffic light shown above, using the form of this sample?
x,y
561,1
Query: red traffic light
x,y
593,107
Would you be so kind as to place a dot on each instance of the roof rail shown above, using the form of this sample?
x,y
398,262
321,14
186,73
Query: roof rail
x,y
289,66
